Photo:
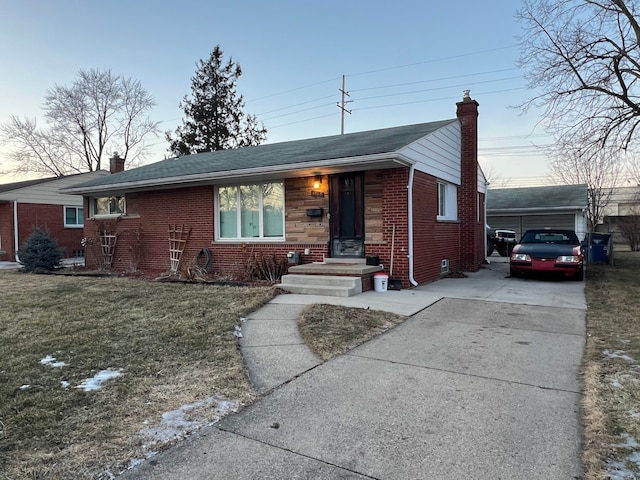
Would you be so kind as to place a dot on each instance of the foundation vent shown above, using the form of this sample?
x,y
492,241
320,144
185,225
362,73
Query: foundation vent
x,y
444,266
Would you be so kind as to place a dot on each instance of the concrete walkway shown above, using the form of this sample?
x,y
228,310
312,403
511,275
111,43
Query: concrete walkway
x,y
481,382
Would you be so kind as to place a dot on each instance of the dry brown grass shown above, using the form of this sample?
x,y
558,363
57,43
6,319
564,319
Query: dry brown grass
x,y
174,344
331,330
611,402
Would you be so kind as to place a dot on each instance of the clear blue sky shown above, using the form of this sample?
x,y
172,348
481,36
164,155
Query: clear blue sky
x,y
405,62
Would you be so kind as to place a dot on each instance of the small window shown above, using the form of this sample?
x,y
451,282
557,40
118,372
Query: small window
x,y
447,201
113,205
73,217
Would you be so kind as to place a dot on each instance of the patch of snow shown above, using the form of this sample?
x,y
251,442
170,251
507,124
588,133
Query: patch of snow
x,y
243,319
619,471
175,425
64,384
629,442
50,361
621,354
634,414
616,384
238,331
95,382
24,387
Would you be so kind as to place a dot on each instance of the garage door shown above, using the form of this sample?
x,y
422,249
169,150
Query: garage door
x,y
567,222
521,224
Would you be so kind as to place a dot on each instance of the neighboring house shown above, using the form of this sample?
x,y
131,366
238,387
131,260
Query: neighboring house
x,y
555,206
624,202
37,203
341,196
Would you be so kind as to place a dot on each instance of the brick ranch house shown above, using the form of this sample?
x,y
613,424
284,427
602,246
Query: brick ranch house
x,y
341,196
37,203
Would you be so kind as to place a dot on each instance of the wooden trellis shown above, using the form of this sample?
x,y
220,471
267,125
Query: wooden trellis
x,y
178,236
108,244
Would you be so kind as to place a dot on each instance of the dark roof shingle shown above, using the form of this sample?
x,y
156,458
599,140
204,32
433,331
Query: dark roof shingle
x,y
311,150
553,196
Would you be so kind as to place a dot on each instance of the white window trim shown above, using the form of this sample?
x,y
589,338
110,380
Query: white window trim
x,y
260,239
450,202
79,217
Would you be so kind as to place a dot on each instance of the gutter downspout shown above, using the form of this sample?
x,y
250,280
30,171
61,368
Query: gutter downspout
x,y
15,230
410,221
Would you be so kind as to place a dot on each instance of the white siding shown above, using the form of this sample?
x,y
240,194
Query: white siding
x,y
438,154
482,181
47,192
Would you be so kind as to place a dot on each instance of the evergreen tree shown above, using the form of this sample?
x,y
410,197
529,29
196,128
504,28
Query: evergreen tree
x,y
40,251
214,117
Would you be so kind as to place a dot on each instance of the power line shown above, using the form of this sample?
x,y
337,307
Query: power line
x,y
297,105
436,79
438,88
432,61
302,121
437,99
293,90
298,111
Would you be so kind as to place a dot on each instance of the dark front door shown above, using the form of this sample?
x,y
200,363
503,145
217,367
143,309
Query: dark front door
x,y
346,205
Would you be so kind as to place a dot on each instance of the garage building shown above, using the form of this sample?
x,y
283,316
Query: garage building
x,y
554,206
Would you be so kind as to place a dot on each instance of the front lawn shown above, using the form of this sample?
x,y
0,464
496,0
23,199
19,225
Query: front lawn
x,y
158,348
611,402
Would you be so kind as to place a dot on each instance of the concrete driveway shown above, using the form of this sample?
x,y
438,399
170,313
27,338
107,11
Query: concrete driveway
x,y
481,384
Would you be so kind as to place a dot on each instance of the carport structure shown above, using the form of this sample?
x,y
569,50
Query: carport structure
x,y
554,206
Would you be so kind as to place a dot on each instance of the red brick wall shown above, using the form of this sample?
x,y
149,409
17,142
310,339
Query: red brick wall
x,y
6,231
386,201
472,255
30,215
434,241
151,213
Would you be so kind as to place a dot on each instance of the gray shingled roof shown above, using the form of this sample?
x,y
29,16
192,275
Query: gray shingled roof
x,y
8,187
279,155
549,197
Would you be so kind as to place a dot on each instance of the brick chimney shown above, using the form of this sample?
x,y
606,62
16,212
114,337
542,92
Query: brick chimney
x,y
471,229
116,164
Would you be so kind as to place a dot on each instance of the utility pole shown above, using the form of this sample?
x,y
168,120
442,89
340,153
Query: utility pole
x,y
342,106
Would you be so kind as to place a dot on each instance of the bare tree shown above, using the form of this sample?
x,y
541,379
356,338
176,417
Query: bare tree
x,y
583,57
100,113
598,168
629,226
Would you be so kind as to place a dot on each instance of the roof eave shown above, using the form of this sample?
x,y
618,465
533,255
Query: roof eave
x,y
335,165
535,209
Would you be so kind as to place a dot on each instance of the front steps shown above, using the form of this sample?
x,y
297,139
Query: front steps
x,y
333,277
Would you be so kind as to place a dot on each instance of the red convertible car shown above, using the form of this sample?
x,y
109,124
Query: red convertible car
x,y
548,251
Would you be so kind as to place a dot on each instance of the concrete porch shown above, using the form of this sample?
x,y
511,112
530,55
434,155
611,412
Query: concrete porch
x,y
337,277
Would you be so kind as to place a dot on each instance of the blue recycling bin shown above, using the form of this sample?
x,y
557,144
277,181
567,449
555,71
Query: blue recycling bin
x,y
599,245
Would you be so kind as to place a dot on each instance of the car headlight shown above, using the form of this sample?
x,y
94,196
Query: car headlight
x,y
520,257
568,259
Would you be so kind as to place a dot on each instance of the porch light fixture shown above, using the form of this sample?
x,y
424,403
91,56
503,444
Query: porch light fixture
x,y
317,182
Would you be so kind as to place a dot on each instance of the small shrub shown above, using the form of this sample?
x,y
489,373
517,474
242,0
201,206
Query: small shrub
x,y
40,251
265,267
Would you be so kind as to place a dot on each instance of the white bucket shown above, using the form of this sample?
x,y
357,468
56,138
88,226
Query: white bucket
x,y
380,282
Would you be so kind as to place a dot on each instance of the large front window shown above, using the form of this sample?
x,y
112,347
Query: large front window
x,y
251,211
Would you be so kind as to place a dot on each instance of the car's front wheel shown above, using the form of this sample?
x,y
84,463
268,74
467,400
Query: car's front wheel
x,y
579,276
513,273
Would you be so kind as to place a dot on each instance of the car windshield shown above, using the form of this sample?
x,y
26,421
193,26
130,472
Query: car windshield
x,y
550,236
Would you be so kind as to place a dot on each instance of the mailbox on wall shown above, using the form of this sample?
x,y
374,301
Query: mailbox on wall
x,y
315,212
